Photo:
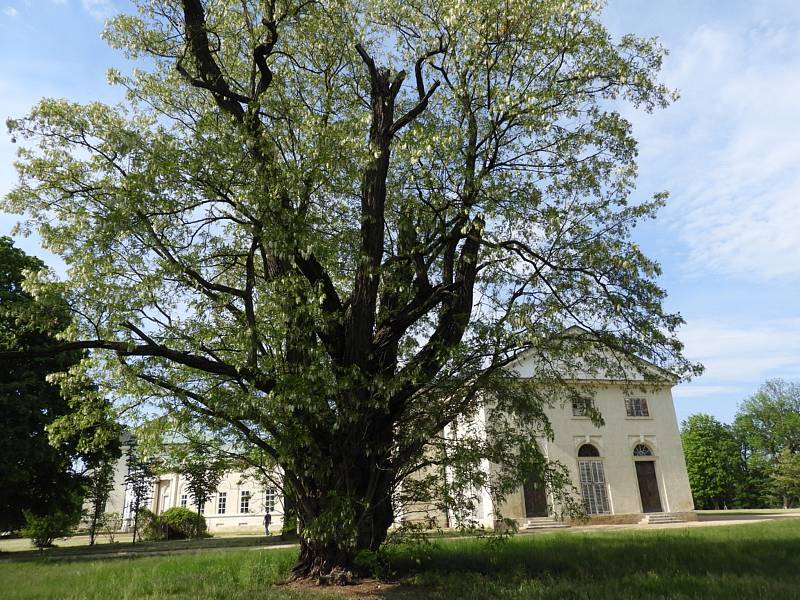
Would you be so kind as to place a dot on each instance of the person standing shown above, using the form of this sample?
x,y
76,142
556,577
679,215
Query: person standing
x,y
267,522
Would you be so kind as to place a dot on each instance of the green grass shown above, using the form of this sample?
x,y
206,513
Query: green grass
x,y
760,560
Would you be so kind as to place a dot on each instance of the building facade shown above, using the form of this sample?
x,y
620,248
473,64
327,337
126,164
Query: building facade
x,y
625,470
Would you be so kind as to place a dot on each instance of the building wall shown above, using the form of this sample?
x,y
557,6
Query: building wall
x,y
616,440
169,489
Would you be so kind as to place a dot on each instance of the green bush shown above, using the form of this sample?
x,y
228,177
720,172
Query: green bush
x,y
179,523
44,529
176,523
149,526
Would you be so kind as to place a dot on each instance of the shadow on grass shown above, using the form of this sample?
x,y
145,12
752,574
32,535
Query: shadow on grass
x,y
129,549
743,561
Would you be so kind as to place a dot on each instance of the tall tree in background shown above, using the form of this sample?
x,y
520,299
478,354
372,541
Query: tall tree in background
x,y
100,482
786,478
769,421
767,426
322,229
202,468
45,444
139,484
713,461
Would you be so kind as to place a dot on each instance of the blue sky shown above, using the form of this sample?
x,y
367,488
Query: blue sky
x,y
728,152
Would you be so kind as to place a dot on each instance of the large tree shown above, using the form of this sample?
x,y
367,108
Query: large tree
x,y
323,228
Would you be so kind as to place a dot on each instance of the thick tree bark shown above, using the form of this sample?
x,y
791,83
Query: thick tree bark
x,y
334,562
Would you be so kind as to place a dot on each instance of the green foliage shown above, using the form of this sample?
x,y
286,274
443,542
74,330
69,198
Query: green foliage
x,y
100,482
284,238
713,461
110,525
176,523
37,471
139,480
44,529
181,523
767,427
148,526
786,477
769,421
373,564
201,466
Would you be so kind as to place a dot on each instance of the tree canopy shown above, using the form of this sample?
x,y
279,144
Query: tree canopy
x,y
322,229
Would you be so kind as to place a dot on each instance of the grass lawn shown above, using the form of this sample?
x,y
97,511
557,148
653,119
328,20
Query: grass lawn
x,y
760,560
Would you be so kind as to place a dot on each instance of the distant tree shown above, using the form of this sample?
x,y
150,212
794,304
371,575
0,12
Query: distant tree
x,y
767,425
769,421
713,461
99,486
139,481
754,489
786,477
203,471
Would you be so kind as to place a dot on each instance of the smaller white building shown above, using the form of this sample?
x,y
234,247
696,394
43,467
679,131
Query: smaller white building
x,y
239,504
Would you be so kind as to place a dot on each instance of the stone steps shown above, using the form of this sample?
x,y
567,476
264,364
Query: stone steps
x,y
540,523
660,519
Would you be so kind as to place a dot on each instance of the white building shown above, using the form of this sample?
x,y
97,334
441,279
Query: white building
x,y
626,470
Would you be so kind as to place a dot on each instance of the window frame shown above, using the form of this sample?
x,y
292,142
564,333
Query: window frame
x,y
270,499
244,502
648,455
222,502
638,404
580,413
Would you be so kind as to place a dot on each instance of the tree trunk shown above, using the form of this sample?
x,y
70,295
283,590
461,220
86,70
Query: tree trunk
x,y
334,561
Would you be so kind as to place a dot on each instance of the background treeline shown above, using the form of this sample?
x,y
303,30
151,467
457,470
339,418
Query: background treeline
x,y
752,463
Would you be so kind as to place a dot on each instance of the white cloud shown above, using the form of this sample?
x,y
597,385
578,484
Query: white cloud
x,y
10,11
99,9
730,148
738,358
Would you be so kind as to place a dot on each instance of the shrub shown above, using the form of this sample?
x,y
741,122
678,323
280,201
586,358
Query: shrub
x,y
149,526
179,523
44,529
110,524
176,523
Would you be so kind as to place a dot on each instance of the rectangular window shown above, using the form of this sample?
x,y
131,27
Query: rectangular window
x,y
636,407
244,502
269,500
184,500
221,502
580,406
593,487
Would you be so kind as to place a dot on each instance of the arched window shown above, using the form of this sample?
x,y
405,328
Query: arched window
x,y
588,450
642,450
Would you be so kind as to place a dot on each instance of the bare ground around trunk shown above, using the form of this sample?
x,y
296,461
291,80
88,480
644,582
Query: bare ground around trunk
x,y
365,589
